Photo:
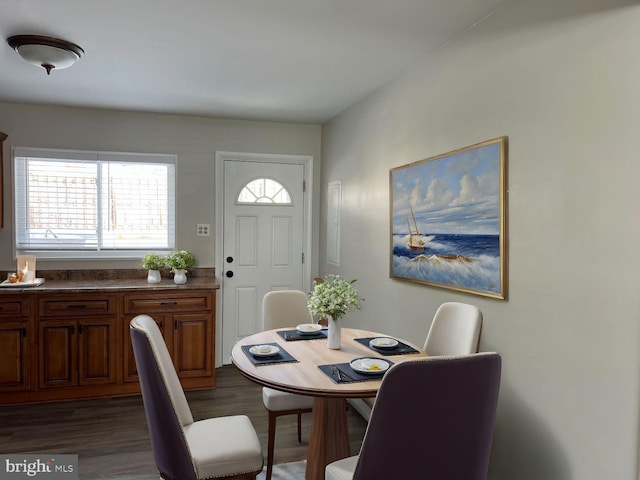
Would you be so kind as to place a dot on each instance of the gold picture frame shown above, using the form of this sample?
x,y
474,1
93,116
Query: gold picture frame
x,y
448,220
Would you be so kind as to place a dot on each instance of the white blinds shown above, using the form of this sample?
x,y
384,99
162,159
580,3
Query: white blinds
x,y
93,201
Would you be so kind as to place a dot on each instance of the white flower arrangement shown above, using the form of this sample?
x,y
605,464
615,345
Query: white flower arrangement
x,y
333,296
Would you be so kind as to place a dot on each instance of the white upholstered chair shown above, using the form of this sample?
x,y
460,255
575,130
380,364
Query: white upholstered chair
x,y
283,308
455,330
452,399
184,449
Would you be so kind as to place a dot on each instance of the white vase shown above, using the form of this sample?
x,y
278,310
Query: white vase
x,y
334,334
154,276
180,276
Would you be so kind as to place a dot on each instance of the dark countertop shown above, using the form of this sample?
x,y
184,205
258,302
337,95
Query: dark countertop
x,y
108,285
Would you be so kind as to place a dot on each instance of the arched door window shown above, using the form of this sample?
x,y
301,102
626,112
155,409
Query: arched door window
x,y
264,190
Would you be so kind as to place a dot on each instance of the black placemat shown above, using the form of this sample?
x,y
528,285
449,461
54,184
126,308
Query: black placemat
x,y
281,357
292,335
400,349
348,374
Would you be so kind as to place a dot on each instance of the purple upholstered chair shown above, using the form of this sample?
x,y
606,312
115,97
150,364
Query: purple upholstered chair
x,y
455,330
184,449
433,419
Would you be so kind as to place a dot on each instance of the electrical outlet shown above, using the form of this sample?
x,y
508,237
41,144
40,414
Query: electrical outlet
x,y
202,229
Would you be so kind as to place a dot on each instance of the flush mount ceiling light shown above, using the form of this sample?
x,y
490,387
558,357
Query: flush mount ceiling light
x,y
46,52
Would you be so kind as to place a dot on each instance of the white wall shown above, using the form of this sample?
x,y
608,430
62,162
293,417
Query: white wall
x,y
194,139
562,80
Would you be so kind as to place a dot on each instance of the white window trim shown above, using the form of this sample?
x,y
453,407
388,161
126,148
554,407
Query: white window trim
x,y
94,255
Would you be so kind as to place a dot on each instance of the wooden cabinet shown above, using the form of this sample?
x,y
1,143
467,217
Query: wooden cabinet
x,y
58,346
15,335
186,322
77,341
193,345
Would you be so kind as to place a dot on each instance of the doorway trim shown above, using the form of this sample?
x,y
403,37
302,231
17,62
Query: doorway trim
x,y
221,157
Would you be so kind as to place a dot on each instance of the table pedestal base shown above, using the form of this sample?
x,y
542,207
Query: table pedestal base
x,y
329,437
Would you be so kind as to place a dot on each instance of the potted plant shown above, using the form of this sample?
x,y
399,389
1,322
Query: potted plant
x,y
331,298
154,263
180,261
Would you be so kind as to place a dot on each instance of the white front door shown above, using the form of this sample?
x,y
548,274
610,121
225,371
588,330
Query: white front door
x,y
263,237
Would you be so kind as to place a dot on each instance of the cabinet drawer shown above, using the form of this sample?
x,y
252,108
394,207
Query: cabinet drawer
x,y
63,307
13,307
168,303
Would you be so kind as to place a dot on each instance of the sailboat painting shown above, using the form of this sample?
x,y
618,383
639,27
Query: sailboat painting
x,y
448,220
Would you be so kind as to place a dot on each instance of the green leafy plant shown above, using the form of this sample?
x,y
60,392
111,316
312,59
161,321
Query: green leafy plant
x,y
180,260
153,261
333,296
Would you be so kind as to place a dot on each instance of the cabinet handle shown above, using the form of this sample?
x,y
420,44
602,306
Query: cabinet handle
x,y
80,329
73,305
24,331
167,304
73,330
1,308
175,324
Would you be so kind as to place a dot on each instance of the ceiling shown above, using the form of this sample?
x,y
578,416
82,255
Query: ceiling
x,y
300,61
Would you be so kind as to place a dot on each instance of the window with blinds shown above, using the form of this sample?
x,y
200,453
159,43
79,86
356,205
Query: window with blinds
x,y
93,204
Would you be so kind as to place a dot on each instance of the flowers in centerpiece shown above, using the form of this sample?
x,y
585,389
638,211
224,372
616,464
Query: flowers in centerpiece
x,y
333,296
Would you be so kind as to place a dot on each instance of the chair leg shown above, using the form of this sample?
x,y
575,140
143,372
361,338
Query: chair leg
x,y
270,443
299,428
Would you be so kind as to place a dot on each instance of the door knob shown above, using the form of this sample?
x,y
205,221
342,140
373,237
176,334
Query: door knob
x,y
229,273
229,259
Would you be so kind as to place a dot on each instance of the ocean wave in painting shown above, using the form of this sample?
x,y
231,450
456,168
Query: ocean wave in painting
x,y
464,261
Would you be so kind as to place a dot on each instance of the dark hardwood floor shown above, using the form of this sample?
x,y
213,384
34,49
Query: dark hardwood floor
x,y
110,435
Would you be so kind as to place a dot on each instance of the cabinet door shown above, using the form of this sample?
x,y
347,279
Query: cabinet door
x,y
97,350
14,358
129,360
58,357
193,344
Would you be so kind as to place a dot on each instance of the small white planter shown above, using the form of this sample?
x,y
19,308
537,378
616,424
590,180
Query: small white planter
x,y
154,276
180,276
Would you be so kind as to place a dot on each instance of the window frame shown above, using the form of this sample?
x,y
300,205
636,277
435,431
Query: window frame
x,y
99,157
265,204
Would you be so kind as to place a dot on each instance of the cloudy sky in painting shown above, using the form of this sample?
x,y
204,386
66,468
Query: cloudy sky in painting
x,y
456,193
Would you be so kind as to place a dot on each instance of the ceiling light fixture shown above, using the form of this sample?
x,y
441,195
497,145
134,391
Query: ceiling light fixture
x,y
46,52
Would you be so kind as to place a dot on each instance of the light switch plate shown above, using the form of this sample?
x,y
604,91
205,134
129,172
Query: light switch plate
x,y
202,229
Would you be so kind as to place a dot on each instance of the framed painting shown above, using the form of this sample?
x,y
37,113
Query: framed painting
x,y
448,220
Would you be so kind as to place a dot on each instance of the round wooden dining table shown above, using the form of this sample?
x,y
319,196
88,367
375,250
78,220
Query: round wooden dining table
x,y
329,437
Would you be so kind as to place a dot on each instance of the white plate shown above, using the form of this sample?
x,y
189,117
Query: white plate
x,y
383,342
264,350
309,328
369,365
35,283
